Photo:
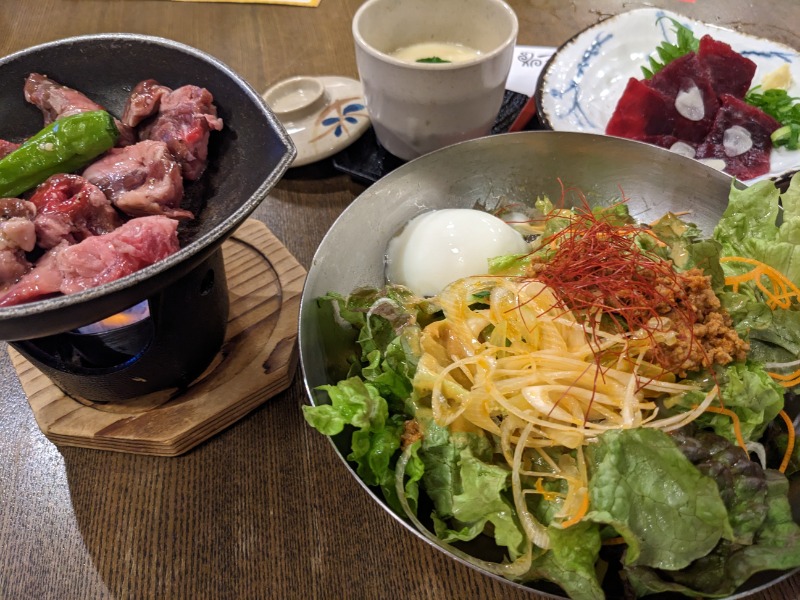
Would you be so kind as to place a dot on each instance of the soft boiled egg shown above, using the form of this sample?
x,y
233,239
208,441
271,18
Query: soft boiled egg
x,y
438,247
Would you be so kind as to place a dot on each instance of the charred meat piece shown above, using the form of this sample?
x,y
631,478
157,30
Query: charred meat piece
x,y
136,244
97,260
16,224
57,101
17,236
143,102
70,209
41,281
13,266
140,180
7,148
184,121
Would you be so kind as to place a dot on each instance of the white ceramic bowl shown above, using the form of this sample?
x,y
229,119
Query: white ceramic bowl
x,y
420,107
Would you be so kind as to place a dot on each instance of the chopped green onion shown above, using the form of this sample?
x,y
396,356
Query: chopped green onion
x,y
783,108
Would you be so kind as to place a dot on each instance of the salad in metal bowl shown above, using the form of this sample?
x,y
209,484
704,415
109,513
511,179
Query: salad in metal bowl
x,y
611,407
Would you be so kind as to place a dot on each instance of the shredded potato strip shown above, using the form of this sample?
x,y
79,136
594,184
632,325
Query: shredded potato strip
x,y
526,371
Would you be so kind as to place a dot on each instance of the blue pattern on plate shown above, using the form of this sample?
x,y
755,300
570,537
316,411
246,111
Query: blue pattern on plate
x,y
350,108
784,56
574,88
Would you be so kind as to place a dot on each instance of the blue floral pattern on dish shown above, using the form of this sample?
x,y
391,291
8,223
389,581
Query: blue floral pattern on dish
x,y
346,111
580,86
339,122
572,93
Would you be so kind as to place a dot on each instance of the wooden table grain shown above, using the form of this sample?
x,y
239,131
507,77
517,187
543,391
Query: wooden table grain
x,y
265,509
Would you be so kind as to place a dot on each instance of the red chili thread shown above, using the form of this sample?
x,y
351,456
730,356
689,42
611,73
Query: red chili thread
x,y
597,269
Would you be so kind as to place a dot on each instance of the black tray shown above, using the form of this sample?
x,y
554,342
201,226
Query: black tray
x,y
366,161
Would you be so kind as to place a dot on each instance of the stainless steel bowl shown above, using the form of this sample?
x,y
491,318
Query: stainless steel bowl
x,y
486,173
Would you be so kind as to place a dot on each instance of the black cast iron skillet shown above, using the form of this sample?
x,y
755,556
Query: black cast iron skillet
x,y
246,158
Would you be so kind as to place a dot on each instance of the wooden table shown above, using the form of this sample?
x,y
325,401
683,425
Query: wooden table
x,y
265,509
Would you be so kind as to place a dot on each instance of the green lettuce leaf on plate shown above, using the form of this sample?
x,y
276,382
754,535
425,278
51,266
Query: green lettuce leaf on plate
x,y
750,227
470,494
774,334
376,438
570,561
687,248
763,224
747,390
776,546
741,482
667,511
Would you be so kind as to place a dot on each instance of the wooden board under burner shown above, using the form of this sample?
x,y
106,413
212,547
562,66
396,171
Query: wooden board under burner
x,y
257,361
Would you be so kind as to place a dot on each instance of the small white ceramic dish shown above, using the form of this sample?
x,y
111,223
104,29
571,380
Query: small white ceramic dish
x,y
322,115
579,88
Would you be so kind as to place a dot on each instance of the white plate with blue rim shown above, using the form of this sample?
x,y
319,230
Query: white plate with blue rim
x,y
580,86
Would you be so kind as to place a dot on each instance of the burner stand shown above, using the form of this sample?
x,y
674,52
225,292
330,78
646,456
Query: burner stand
x,y
256,360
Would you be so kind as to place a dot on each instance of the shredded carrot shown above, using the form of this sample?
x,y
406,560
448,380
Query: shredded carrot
x,y
789,441
787,380
734,419
574,519
780,295
785,377
782,289
615,541
549,496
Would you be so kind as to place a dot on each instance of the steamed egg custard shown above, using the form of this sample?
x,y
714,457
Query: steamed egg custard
x,y
441,246
435,52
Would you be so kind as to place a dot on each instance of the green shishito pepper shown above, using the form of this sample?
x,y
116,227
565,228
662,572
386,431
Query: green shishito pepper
x,y
62,147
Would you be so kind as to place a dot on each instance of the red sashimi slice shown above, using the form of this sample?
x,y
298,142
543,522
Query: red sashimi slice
x,y
686,82
641,112
729,72
735,121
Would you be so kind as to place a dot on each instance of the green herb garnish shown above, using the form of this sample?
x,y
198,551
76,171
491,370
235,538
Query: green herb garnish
x,y
667,52
433,59
783,108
